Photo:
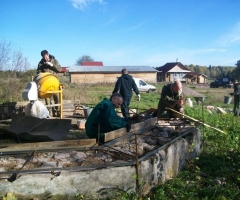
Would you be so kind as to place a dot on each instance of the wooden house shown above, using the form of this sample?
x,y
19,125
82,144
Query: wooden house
x,y
172,71
104,74
193,77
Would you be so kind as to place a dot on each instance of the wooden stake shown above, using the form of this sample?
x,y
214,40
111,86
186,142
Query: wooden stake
x,y
98,134
195,120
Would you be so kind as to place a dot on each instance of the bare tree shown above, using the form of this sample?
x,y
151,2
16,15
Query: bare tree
x,y
13,66
5,51
84,58
19,62
12,60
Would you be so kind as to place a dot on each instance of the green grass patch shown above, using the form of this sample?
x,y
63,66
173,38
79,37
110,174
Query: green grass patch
x,y
215,174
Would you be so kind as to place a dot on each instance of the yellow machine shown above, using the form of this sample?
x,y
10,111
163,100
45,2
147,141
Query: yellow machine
x,y
48,85
35,125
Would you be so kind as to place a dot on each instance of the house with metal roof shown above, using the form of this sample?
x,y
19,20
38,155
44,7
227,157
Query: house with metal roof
x,y
109,74
172,71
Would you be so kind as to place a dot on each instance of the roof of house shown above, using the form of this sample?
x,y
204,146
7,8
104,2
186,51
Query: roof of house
x,y
109,69
169,66
64,69
92,63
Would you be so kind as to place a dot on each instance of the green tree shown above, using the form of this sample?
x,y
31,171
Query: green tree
x,y
199,70
84,58
236,71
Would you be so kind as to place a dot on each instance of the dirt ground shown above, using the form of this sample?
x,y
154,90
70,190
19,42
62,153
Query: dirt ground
x,y
189,92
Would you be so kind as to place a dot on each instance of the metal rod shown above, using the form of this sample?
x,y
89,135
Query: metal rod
x,y
111,154
98,135
136,164
117,150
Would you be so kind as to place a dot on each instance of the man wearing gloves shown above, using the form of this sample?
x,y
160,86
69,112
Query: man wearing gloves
x,y
104,116
236,95
49,63
125,84
171,97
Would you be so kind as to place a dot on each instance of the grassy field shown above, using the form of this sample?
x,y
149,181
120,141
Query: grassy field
x,y
94,93
215,174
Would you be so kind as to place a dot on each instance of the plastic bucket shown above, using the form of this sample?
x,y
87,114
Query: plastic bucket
x,y
227,100
189,102
87,112
81,124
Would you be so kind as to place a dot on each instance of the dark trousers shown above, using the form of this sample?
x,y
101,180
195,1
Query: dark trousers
x,y
124,108
236,110
48,101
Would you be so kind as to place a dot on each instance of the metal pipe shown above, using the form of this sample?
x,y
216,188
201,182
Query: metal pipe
x,y
136,163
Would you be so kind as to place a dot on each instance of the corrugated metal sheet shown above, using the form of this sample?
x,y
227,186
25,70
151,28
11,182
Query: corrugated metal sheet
x,y
79,69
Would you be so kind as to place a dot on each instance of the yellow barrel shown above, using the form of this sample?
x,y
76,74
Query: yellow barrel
x,y
46,82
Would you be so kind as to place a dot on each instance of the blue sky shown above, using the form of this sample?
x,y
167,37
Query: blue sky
x,y
124,32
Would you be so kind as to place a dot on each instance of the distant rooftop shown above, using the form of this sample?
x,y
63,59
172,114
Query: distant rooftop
x,y
110,69
92,64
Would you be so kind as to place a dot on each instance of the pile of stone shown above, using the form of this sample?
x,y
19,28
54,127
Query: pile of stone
x,y
139,145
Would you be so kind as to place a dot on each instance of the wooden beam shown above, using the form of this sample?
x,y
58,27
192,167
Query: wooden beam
x,y
221,110
195,120
122,131
55,145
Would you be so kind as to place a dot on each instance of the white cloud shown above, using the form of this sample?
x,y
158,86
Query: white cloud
x,y
232,37
214,50
132,28
82,4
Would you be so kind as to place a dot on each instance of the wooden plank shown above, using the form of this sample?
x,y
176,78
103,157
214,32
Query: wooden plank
x,y
55,145
195,120
122,131
221,110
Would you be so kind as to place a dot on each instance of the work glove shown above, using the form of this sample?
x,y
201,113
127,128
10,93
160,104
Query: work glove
x,y
128,127
49,63
139,97
125,119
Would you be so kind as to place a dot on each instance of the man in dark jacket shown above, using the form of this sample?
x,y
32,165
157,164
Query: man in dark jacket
x,y
171,97
236,95
49,63
105,116
125,84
